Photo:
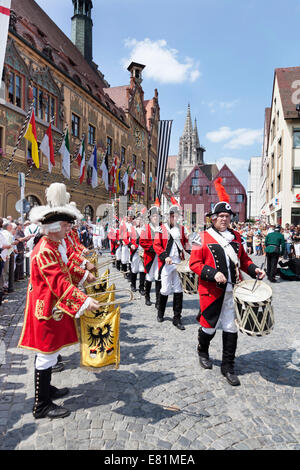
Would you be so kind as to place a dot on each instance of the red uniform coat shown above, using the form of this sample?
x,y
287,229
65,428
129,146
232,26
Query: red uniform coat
x,y
163,243
146,242
50,289
206,260
113,236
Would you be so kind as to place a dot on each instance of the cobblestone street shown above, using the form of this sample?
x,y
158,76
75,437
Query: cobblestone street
x,y
160,398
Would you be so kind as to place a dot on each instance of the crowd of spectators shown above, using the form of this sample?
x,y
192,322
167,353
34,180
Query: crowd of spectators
x,y
254,235
17,242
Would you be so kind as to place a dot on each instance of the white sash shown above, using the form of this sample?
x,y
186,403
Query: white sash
x,y
175,234
226,245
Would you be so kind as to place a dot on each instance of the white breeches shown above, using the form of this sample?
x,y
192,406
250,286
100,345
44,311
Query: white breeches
x,y
226,320
137,265
152,275
118,253
170,280
97,242
125,255
44,361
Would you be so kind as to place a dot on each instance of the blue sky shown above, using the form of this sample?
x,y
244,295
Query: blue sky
x,y
217,55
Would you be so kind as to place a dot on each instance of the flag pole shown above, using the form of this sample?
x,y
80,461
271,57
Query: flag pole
x,y
21,133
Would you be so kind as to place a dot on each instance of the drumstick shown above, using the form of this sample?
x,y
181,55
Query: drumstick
x,y
256,278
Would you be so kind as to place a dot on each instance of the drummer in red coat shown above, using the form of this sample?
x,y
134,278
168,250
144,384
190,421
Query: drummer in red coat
x,y
53,301
169,243
217,258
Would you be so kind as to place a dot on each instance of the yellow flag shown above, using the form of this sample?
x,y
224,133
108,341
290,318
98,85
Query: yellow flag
x,y
100,345
31,136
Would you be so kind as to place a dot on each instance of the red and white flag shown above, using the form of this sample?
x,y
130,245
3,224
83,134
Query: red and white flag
x,y
4,22
47,148
81,161
113,172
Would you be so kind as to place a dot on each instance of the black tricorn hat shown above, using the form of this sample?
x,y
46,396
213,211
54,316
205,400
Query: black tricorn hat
x,y
221,206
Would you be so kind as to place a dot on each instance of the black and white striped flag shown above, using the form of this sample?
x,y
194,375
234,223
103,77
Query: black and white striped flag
x,y
164,134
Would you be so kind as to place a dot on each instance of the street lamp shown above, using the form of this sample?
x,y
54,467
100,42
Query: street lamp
x,y
250,192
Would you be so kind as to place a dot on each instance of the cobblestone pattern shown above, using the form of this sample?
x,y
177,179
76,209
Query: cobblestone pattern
x,y
160,398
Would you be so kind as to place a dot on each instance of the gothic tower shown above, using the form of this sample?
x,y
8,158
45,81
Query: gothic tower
x,y
190,151
82,28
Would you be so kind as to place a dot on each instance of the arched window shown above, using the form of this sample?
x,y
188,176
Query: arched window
x,y
89,212
33,201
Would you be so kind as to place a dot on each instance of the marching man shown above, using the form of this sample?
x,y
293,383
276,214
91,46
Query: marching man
x,y
136,261
150,257
169,243
217,257
98,236
53,301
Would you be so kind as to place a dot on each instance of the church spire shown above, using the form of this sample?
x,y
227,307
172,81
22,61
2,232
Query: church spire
x,y
196,136
188,127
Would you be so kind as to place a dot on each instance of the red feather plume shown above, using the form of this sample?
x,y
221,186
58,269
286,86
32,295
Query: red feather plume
x,y
157,203
222,194
173,201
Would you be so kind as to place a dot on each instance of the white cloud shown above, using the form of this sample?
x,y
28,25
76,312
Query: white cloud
x,y
236,138
224,105
162,63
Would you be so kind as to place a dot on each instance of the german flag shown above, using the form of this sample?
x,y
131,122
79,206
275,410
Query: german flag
x,y
30,135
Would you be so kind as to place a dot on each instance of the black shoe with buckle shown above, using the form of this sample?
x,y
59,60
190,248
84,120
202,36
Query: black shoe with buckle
x,y
205,362
231,378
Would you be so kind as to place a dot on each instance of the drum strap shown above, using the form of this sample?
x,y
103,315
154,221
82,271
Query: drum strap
x,y
225,245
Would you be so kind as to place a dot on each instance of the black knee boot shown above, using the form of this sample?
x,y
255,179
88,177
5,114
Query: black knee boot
x,y
157,291
147,292
44,393
133,277
177,309
142,283
163,299
204,340
118,264
228,357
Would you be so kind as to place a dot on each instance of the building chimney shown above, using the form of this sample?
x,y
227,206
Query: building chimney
x,y
82,28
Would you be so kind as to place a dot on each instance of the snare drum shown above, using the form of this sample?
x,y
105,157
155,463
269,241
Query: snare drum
x,y
188,278
253,309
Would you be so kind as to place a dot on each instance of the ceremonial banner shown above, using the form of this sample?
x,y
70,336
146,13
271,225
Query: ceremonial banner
x,y
47,148
65,153
92,163
104,168
100,345
164,134
4,22
31,136
125,180
81,161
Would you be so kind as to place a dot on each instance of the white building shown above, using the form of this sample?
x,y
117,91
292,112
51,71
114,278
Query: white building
x,y
281,159
254,181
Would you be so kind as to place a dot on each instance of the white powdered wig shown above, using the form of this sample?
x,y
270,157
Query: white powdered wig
x,y
57,195
51,228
